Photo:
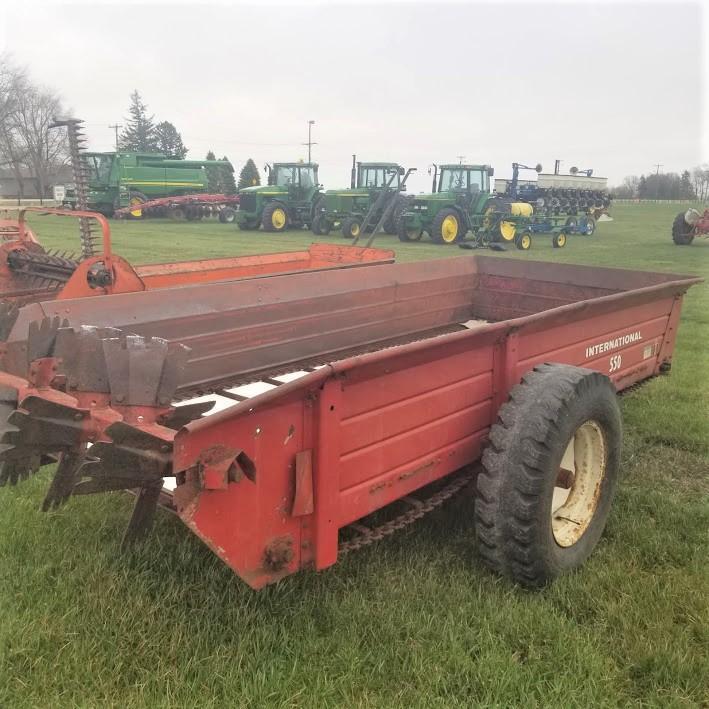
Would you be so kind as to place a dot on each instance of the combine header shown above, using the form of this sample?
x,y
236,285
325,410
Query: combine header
x,y
274,415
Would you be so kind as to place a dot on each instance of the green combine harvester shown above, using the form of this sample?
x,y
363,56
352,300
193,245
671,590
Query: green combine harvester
x,y
375,187
117,180
460,203
286,202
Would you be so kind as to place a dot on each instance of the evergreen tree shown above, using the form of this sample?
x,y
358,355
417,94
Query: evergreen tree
x,y
249,175
214,176
169,141
642,187
685,186
139,134
228,182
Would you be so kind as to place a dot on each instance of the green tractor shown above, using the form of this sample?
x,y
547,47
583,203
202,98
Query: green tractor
x,y
286,202
374,195
461,202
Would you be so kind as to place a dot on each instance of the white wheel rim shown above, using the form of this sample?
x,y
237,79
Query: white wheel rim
x,y
578,485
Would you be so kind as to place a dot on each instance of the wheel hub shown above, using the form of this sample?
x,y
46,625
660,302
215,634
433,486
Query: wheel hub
x,y
578,484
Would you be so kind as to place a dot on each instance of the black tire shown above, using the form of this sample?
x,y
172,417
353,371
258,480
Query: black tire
x,y
558,241
391,224
587,225
522,468
682,233
267,217
437,233
321,225
193,214
406,233
523,241
227,215
351,227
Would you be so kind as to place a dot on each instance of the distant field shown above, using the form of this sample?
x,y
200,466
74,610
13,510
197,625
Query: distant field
x,y
414,621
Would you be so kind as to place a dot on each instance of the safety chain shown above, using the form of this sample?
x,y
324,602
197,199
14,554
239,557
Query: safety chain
x,y
419,508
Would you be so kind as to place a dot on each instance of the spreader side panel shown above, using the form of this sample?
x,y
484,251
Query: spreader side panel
x,y
409,423
628,344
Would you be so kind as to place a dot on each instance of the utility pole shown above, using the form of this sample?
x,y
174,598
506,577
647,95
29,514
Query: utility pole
x,y
460,159
310,142
657,180
115,127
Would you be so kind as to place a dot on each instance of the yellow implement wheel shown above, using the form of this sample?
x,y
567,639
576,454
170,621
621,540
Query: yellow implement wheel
x,y
559,240
278,218
523,241
135,203
508,230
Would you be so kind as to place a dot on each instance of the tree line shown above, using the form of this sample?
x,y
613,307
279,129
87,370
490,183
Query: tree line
x,y
689,185
35,152
143,135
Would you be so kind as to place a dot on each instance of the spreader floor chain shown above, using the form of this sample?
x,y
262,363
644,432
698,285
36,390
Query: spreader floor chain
x,y
417,509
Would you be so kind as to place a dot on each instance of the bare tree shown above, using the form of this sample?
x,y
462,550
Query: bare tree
x,y
26,143
13,82
700,181
44,150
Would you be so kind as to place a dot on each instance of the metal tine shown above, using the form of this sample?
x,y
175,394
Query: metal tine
x,y
65,477
141,521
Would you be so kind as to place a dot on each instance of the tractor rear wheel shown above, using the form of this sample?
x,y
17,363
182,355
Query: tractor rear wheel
x,y
682,233
407,233
391,225
351,228
447,227
549,474
274,218
321,225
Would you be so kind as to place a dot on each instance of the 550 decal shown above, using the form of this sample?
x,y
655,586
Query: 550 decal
x,y
615,363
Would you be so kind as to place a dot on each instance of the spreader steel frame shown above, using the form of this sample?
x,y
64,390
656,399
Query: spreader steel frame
x,y
378,382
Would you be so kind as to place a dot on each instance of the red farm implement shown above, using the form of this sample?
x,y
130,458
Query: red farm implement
x,y
191,207
29,273
275,415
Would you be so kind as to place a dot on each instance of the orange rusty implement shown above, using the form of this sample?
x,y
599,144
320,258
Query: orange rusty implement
x,y
29,273
283,410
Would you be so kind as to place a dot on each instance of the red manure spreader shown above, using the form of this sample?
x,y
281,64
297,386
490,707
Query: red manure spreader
x,y
274,415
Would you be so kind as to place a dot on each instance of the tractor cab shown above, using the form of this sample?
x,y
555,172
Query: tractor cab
x,y
470,179
299,179
376,175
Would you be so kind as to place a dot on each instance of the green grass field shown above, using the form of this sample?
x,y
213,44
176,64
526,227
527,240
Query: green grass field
x,y
413,621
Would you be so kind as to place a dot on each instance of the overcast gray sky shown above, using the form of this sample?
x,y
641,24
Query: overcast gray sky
x,y
613,86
